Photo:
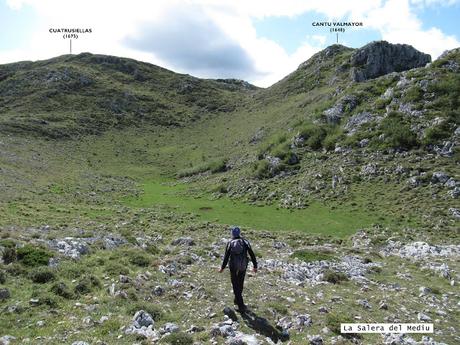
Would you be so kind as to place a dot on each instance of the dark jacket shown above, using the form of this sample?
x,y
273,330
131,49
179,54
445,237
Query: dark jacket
x,y
248,250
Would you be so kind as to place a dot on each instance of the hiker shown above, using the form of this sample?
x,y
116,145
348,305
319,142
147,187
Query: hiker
x,y
237,259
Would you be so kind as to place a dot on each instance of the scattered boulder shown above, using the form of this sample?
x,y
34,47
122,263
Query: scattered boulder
x,y
183,241
455,212
370,169
315,340
439,177
158,290
112,242
356,121
142,319
364,303
142,325
419,250
454,193
168,328
4,294
304,320
7,339
227,331
423,317
71,247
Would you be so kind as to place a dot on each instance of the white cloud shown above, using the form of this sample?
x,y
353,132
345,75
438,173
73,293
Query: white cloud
x,y
397,23
230,25
427,3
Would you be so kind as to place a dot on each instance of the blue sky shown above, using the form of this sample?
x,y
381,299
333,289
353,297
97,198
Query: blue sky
x,y
257,40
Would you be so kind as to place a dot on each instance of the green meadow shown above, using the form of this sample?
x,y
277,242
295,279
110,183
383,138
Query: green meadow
x,y
316,218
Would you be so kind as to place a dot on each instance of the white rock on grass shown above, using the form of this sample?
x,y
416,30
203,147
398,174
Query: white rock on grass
x,y
142,325
7,339
169,327
423,317
315,340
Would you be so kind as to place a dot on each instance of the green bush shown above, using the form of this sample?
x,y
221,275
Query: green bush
x,y
333,321
221,188
315,136
45,298
72,270
280,151
215,166
132,294
398,134
16,269
413,94
87,284
2,277
115,268
262,169
436,134
61,289
128,235
42,275
7,243
9,255
110,326
332,138
178,338
139,259
33,256
334,277
309,256
381,103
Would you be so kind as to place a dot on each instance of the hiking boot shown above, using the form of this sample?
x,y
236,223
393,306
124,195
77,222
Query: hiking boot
x,y
242,308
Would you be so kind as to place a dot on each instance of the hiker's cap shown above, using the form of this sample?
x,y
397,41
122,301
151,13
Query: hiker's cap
x,y
236,231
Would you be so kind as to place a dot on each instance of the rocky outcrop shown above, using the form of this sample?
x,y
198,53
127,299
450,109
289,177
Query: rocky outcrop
x,y
379,58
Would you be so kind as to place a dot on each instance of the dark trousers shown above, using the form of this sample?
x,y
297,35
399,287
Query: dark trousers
x,y
237,283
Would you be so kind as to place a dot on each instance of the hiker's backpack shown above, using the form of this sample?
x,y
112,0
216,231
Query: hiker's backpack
x,y
238,255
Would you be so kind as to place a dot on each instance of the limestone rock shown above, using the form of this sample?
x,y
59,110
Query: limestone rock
x,y
380,57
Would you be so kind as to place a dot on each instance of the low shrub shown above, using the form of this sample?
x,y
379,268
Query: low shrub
x,y
2,277
46,299
9,255
436,134
334,277
178,338
33,256
87,284
61,289
413,94
139,259
262,169
72,270
215,166
16,269
333,321
398,134
7,243
333,138
42,275
115,268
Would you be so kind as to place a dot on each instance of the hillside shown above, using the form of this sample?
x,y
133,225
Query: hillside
x,y
87,94
119,180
